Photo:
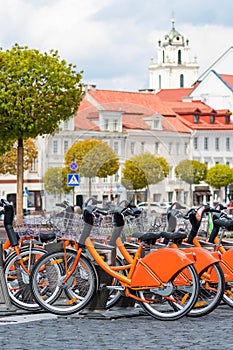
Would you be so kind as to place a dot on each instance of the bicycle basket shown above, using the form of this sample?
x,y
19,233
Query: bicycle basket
x,y
67,225
31,226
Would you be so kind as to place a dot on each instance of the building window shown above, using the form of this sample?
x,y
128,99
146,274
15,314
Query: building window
x,y
170,148
160,82
115,125
186,148
65,146
195,143
206,143
163,56
132,147
106,124
182,80
196,118
217,143
65,125
33,167
179,57
156,124
156,147
212,119
55,146
142,147
177,148
227,119
228,148
116,147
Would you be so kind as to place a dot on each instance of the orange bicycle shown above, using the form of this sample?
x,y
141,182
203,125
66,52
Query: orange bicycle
x,y
22,252
164,282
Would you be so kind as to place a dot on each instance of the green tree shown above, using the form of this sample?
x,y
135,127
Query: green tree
x,y
220,175
8,161
94,157
37,91
143,170
55,181
192,172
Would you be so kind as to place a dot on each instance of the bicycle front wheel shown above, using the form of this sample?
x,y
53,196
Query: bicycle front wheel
x,y
17,269
175,299
212,286
55,295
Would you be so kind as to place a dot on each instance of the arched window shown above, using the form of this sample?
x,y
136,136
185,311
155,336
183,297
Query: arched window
x,y
182,80
179,56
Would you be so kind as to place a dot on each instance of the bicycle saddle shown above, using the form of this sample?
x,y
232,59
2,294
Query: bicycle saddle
x,y
173,236
148,237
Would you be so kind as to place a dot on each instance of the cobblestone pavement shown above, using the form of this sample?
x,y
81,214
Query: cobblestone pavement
x,y
47,331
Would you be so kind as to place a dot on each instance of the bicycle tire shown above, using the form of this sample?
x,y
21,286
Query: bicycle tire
x,y
184,297
54,296
228,294
211,292
17,280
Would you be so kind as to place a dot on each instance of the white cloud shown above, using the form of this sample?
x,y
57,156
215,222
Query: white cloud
x,y
112,41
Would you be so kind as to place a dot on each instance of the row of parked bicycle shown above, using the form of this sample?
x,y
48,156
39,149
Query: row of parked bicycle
x,y
168,273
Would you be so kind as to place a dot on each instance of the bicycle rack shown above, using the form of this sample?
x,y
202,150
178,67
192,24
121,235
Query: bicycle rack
x,y
5,302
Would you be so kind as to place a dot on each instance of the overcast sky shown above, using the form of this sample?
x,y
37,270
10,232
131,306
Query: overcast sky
x,y
113,40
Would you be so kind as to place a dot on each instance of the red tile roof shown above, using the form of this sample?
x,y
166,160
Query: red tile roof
x,y
228,79
178,116
174,94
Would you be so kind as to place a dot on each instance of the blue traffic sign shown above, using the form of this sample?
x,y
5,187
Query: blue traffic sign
x,y
73,179
73,166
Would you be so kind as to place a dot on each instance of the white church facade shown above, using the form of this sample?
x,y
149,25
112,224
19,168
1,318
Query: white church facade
x,y
174,67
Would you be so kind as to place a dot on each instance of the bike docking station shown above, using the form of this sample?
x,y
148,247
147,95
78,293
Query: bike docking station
x,y
5,302
96,309
125,307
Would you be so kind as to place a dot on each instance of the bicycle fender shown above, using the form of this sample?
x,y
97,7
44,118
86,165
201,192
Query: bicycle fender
x,y
204,258
159,266
227,265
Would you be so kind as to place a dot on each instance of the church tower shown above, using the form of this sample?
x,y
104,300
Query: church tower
x,y
174,69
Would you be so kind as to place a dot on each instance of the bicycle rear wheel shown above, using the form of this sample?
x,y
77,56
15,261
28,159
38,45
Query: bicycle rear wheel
x,y
55,296
175,300
17,278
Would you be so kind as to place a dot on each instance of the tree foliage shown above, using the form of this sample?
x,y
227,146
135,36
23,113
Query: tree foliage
x,y
219,175
191,171
37,91
94,158
55,181
143,170
8,161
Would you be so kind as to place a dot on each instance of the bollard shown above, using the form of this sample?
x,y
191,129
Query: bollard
x,y
5,302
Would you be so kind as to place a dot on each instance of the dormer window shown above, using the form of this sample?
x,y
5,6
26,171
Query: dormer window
x,y
110,121
196,118
227,119
156,122
212,119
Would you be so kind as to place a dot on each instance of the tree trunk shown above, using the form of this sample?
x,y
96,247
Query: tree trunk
x,y
89,186
20,172
190,196
148,200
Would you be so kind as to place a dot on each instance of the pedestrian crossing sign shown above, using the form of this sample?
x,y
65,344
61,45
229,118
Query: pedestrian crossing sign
x,y
73,179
